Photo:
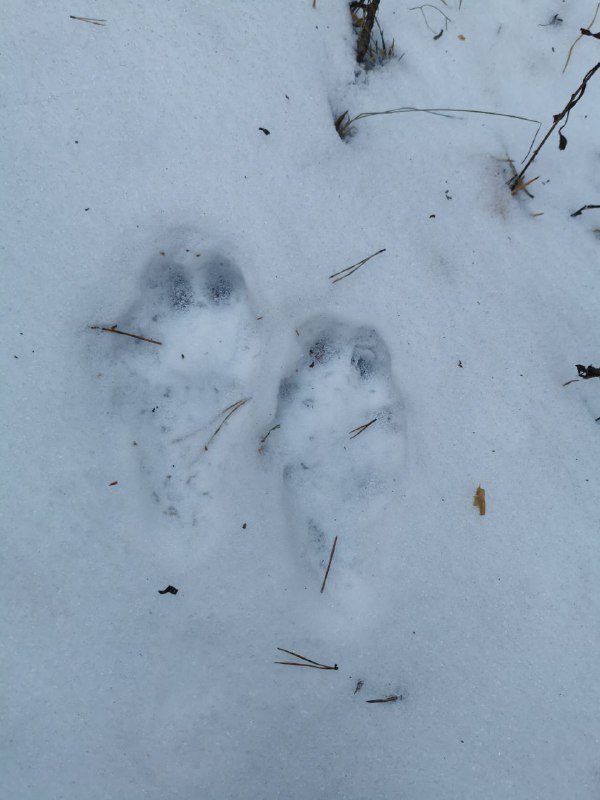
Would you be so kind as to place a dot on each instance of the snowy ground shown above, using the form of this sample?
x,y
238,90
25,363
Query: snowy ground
x,y
139,191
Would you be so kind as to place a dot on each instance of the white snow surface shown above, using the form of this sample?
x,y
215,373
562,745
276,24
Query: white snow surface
x,y
139,191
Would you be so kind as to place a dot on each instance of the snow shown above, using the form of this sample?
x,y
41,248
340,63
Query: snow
x,y
139,191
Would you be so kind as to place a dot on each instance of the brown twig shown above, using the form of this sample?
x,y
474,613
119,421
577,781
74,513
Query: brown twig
x,y
579,37
228,411
361,428
574,99
310,662
329,564
369,7
89,19
114,329
345,273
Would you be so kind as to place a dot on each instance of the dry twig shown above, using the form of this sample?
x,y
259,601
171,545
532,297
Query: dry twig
x,y
564,114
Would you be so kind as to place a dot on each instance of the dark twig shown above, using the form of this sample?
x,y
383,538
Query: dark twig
x,y
114,329
309,662
329,564
391,699
228,411
89,19
345,273
564,114
366,25
582,209
361,428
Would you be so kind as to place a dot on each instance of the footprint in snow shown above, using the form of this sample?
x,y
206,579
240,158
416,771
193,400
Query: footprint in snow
x,y
175,393
341,448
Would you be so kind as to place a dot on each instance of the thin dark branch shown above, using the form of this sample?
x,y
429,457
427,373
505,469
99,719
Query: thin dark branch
x,y
582,209
329,564
574,99
114,329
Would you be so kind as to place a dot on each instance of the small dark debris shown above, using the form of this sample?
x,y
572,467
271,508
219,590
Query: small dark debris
x,y
437,36
86,209
359,686
393,698
432,216
244,526
310,366
556,20
114,483
587,372
17,357
448,195
582,209
182,356
154,409
460,364
169,590
265,131
585,32
286,97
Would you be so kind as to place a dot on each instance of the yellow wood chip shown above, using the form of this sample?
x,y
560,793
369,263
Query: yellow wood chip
x,y
479,500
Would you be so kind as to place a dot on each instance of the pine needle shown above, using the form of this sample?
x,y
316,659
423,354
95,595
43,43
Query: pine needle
x,y
228,411
114,329
329,564
345,273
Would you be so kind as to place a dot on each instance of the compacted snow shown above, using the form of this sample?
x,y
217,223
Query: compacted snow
x,y
175,173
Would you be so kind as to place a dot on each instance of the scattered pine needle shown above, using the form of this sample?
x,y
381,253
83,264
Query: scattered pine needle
x,y
101,22
354,433
345,273
580,37
228,411
329,564
537,214
391,699
309,662
479,500
114,329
